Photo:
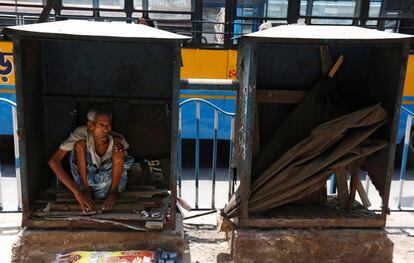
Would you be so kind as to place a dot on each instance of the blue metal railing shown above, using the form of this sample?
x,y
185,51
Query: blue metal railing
x,y
407,144
16,156
217,111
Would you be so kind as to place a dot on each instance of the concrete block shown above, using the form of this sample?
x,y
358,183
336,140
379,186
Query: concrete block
x,y
43,245
311,246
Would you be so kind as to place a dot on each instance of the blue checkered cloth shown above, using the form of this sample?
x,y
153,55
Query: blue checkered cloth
x,y
99,179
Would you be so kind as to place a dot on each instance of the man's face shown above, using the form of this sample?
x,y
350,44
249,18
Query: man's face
x,y
101,127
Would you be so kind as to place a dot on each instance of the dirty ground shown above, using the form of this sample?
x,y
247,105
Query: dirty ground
x,y
205,245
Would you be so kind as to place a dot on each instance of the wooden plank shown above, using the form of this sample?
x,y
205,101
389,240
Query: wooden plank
x,y
129,207
126,217
314,222
342,186
280,96
326,59
121,200
353,188
132,186
148,193
64,213
335,67
362,194
85,222
140,187
154,225
126,194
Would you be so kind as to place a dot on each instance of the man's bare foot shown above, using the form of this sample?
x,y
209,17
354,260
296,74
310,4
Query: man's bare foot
x,y
110,201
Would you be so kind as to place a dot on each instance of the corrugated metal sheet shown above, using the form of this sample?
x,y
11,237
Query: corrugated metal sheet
x,y
306,32
80,28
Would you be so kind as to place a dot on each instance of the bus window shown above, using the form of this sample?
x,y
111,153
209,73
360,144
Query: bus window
x,y
170,5
374,11
303,7
276,8
138,4
374,8
333,8
79,3
251,14
213,22
33,2
111,4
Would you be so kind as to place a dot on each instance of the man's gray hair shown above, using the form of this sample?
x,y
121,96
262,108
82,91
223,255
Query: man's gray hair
x,y
92,113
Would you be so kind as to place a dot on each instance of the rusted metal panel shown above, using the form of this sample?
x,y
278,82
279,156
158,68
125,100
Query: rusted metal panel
x,y
60,77
287,58
245,108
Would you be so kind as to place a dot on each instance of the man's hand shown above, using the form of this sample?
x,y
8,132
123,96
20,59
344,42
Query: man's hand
x,y
85,201
118,147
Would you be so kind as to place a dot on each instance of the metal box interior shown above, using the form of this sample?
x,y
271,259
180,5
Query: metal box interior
x,y
373,72
60,77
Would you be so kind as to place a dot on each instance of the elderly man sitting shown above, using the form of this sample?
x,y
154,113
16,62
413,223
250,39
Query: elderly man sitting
x,y
98,160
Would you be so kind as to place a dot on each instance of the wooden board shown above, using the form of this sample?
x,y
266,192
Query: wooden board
x,y
128,207
315,222
313,215
280,96
342,186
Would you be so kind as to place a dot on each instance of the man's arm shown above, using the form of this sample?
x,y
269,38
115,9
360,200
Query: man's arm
x,y
55,164
81,151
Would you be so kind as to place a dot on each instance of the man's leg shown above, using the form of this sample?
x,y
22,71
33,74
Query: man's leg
x,y
118,179
117,169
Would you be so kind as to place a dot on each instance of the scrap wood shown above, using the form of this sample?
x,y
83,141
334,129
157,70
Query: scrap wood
x,y
127,217
121,200
342,186
339,137
315,108
356,185
148,193
326,59
304,188
352,190
101,221
336,66
154,225
127,196
130,186
301,168
56,206
224,224
140,187
362,194
321,139
312,110
64,213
